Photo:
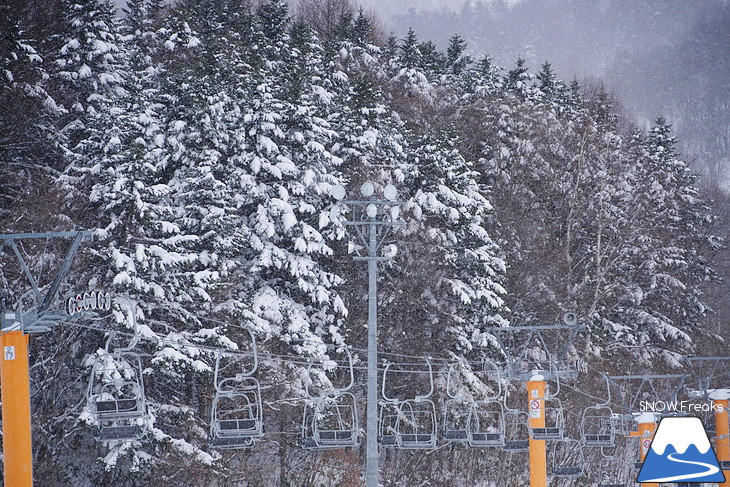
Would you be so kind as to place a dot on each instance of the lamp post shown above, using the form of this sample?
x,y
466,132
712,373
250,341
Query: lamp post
x,y
372,221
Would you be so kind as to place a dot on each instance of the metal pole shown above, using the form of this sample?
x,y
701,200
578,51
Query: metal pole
x,y
371,463
15,390
538,449
722,431
646,434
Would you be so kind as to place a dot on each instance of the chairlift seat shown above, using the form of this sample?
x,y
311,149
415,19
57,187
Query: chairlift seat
x,y
387,436
308,443
567,471
224,442
516,445
487,425
335,435
551,433
486,439
416,441
598,439
456,418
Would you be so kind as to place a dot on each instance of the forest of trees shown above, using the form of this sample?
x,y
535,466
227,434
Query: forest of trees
x,y
660,57
200,141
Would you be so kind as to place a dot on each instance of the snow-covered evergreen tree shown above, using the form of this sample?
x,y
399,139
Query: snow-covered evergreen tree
x,y
451,213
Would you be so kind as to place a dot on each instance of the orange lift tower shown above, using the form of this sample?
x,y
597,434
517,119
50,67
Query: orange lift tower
x,y
713,379
530,358
35,311
639,405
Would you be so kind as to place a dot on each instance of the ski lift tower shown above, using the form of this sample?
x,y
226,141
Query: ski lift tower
x,y
36,311
516,344
713,381
372,220
656,386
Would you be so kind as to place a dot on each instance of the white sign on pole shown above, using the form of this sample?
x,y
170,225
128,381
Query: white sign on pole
x,y
9,353
534,408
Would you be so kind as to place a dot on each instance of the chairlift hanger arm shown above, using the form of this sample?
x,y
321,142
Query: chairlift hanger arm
x,y
448,381
430,380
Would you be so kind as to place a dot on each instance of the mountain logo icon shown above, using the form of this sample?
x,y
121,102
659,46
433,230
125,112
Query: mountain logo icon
x,y
681,452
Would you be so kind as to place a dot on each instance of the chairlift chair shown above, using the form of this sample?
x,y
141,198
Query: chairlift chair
x,y
624,424
415,423
115,393
568,459
635,461
330,421
552,409
236,417
516,430
457,413
516,437
597,427
487,424
479,423
554,428
387,424
336,424
236,412
118,407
